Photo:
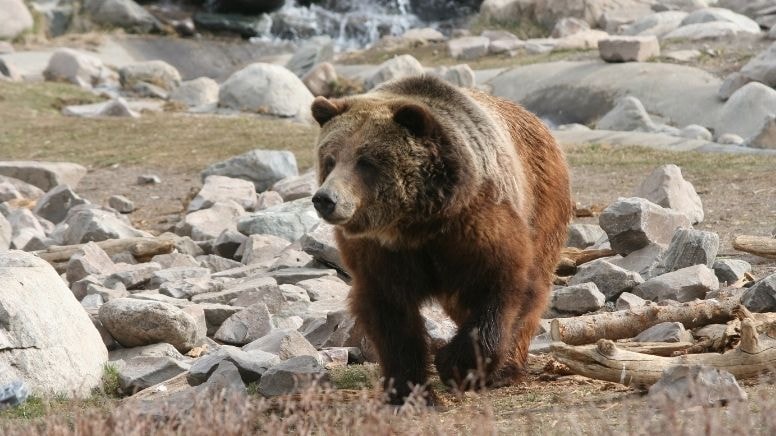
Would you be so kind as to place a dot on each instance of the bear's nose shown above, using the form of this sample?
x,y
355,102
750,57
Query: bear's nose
x,y
324,203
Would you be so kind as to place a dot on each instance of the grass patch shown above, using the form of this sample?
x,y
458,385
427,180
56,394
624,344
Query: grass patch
x,y
110,381
32,128
364,376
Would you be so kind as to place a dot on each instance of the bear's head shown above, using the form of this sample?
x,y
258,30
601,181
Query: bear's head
x,y
384,165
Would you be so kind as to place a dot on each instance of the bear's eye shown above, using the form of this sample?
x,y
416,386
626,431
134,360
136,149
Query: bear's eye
x,y
368,169
328,164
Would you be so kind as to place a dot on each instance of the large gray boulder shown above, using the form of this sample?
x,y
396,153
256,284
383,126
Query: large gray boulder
x,y
634,223
44,175
581,92
47,339
609,279
262,167
79,68
15,18
689,247
290,376
666,187
134,322
269,89
686,284
57,202
743,114
206,224
289,220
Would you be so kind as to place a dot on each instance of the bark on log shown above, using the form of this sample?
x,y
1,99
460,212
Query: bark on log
x,y
571,258
605,361
758,245
656,348
628,323
141,248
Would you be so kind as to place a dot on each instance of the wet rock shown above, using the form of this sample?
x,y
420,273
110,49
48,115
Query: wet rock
x,y
665,332
262,167
610,279
634,223
245,326
245,26
686,284
121,13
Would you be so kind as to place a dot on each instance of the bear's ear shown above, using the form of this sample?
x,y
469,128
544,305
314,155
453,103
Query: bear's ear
x,y
415,118
324,110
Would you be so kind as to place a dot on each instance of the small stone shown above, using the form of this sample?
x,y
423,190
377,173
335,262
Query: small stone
x,y
325,288
175,260
335,357
220,189
629,48
610,279
689,247
293,293
286,344
730,139
268,199
634,223
262,167
291,376
121,204
154,350
139,373
259,249
251,365
296,275
694,131
291,258
148,179
578,299
333,329
250,290
106,294
584,235
207,224
628,301
132,276
395,68
320,243
216,314
761,297
199,92
468,47
731,270
92,302
217,264
643,261
228,242
56,203
569,26
90,259
684,386
296,187
246,325
665,332
666,187
160,277
188,287
686,284
157,73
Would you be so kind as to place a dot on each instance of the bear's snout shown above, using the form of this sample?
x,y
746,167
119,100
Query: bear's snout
x,y
325,203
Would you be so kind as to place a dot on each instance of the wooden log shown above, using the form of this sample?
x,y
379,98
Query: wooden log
x,y
623,324
571,258
141,248
758,245
606,361
656,348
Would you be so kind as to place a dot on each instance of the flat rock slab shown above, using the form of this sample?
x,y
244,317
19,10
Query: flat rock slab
x,y
44,175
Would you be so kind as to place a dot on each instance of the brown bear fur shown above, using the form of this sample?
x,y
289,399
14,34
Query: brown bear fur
x,y
443,193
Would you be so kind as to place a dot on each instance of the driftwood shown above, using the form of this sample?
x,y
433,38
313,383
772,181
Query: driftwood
x,y
656,348
628,323
755,355
758,245
571,258
143,249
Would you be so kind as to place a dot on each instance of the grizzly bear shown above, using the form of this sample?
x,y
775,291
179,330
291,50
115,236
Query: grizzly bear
x,y
447,194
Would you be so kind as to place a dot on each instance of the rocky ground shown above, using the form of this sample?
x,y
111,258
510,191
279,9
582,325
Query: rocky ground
x,y
196,277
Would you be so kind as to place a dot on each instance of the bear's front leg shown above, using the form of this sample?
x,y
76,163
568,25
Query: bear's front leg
x,y
397,330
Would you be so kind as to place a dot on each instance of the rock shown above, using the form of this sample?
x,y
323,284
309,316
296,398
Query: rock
x,y
761,297
332,329
26,227
56,203
666,187
733,82
628,115
251,365
319,242
106,294
91,224
686,284
468,47
761,68
121,13
293,293
395,68
629,48
709,30
584,235
311,52
291,258
15,19
135,322
744,112
506,46
325,288
228,242
284,343
90,259
113,108
289,220
766,137
155,350
266,88
730,139
291,376
321,79
460,75
731,270
132,276
665,332
262,167
5,233
658,24
160,277
423,35
48,339
684,386
296,275
578,299
694,131
44,175
610,279
148,179
79,68
220,189
245,326
244,25
296,187
262,248
689,247
268,199
175,259
157,73
226,380
188,287
202,91
138,373
643,261
628,301
121,204
569,26
720,15
206,224
216,314
634,223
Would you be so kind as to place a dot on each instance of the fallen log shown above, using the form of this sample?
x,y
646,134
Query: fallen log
x,y
588,329
571,258
656,348
142,249
758,245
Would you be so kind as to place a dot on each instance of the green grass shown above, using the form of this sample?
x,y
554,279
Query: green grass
x,y
355,376
32,128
